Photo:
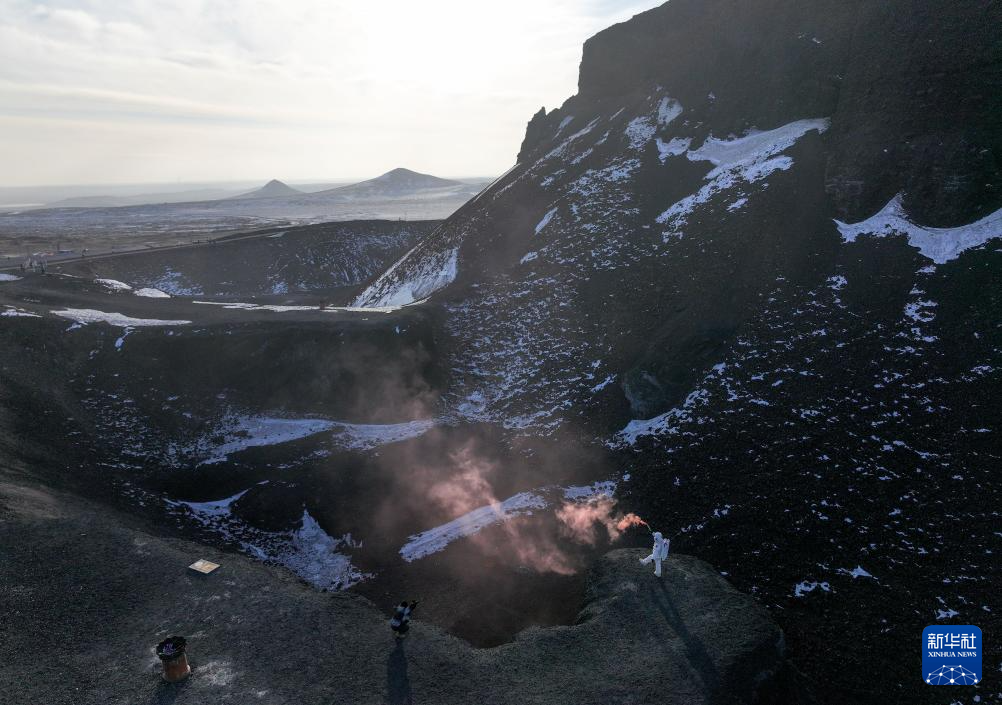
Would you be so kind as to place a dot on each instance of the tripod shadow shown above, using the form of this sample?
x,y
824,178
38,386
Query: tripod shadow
x,y
398,685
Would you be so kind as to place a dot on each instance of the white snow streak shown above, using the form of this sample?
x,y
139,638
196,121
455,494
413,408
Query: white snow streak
x,y
15,312
113,284
744,159
243,432
938,244
150,293
545,220
434,540
83,316
429,274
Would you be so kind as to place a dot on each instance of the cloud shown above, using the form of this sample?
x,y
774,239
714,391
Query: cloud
x,y
68,22
351,85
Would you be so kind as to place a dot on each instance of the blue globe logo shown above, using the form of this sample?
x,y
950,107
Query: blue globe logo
x,y
951,675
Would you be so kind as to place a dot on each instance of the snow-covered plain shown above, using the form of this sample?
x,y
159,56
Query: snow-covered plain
x,y
938,244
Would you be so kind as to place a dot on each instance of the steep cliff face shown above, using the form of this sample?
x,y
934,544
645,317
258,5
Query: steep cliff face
x,y
759,252
713,147
912,88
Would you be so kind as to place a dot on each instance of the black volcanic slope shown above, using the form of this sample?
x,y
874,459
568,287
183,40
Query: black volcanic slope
x,y
814,405
309,258
750,274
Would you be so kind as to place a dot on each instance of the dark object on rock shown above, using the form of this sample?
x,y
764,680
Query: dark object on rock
x,y
400,622
172,653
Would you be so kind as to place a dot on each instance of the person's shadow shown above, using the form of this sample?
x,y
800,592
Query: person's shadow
x,y
398,685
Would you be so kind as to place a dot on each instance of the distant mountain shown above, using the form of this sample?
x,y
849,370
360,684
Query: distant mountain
x,y
272,189
400,194
396,183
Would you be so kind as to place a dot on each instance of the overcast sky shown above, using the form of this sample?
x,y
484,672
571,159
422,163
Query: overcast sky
x,y
110,91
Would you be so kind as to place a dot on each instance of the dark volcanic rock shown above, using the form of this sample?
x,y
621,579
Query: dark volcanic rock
x,y
914,88
84,590
812,406
318,258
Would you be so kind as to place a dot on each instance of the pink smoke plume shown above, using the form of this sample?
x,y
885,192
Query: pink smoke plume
x,y
629,520
465,482
581,520
467,486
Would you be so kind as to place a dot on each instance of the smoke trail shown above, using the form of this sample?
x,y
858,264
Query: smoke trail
x,y
581,521
629,520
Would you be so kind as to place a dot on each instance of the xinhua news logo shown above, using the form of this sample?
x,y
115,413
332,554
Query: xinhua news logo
x,y
951,654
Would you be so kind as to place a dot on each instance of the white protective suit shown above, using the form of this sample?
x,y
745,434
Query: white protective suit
x,y
658,553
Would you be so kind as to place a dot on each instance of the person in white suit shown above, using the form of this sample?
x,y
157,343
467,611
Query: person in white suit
x,y
658,553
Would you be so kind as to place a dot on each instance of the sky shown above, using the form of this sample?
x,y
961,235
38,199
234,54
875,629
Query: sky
x,y
161,91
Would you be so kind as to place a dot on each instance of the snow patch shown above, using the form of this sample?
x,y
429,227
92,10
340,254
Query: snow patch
x,y
938,244
15,312
857,572
113,284
667,422
545,220
83,316
121,341
150,293
672,148
309,551
807,586
586,492
239,306
434,540
668,110
640,131
242,432
8,277
745,159
429,274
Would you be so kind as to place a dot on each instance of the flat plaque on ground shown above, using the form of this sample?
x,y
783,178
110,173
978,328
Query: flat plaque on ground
x,y
203,566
